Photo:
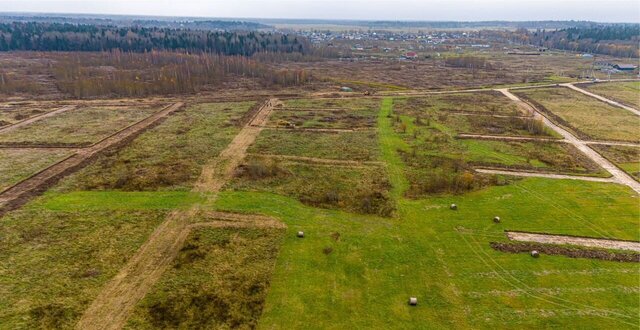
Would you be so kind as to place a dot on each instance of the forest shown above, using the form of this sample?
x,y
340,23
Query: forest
x,y
34,36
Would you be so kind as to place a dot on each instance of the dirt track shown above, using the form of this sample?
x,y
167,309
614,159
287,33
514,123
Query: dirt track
x,y
574,240
507,137
602,98
36,118
619,175
21,192
119,296
544,175
321,161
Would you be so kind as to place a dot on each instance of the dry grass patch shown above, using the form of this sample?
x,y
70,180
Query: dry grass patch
x,y
18,164
624,92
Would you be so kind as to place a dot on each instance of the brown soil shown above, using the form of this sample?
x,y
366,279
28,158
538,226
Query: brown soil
x,y
571,252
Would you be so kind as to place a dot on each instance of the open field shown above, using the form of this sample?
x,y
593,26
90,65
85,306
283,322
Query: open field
x,y
627,158
13,112
333,145
82,126
585,116
18,164
167,157
190,218
623,92
219,280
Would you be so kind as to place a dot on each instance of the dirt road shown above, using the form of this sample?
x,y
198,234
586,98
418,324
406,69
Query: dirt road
x,y
544,175
574,240
507,137
23,191
602,98
36,118
619,175
112,306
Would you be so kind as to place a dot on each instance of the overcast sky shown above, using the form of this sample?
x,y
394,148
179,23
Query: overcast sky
x,y
433,10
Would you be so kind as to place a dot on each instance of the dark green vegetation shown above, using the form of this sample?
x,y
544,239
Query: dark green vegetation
x,y
587,117
167,157
362,189
70,37
627,158
218,281
82,126
359,145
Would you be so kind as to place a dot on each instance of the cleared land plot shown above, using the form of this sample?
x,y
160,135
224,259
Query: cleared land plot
x,y
54,262
327,104
83,126
359,145
349,265
574,240
362,189
585,116
219,280
627,158
493,114
338,118
13,112
18,164
438,163
169,156
481,102
627,93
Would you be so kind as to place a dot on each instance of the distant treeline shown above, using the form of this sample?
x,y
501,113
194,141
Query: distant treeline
x,y
69,37
618,40
139,21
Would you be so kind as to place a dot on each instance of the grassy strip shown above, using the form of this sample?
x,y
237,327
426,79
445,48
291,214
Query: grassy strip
x,y
389,145
120,200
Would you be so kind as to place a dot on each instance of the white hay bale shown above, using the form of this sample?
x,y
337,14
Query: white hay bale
x,y
300,234
413,301
453,207
535,253
496,219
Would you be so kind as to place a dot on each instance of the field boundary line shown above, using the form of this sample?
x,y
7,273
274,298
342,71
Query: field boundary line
x,y
321,161
508,138
546,175
37,118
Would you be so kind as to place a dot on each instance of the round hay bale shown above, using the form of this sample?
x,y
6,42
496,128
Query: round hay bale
x,y
413,301
496,219
535,253
453,207
300,234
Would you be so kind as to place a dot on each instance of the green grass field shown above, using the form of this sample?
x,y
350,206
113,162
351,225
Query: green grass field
x,y
623,92
357,271
586,116
82,126
18,164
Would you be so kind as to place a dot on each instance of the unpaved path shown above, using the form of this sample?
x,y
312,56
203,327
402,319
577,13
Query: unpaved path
x,y
574,240
36,118
482,114
112,306
602,98
544,175
507,137
614,143
321,161
619,175
21,192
